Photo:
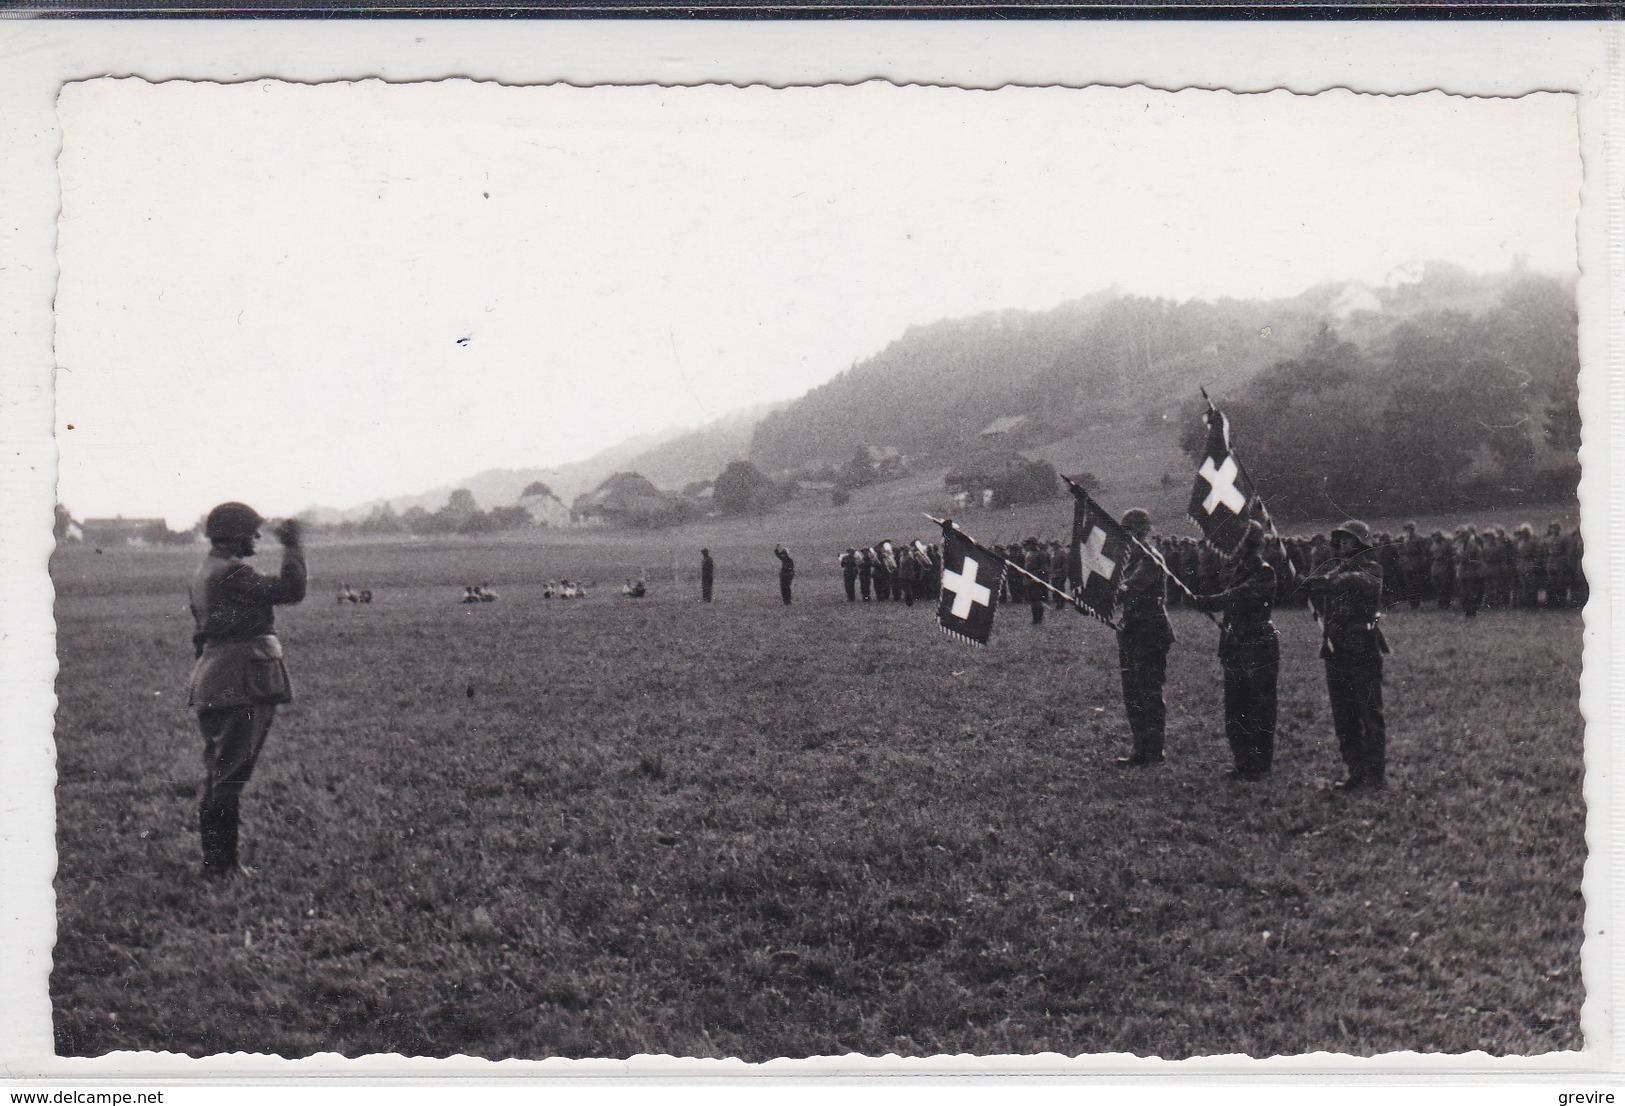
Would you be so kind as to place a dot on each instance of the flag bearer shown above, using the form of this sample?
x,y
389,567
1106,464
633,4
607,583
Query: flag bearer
x,y
1143,640
1250,653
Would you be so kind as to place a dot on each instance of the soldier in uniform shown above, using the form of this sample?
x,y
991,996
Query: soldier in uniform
x,y
1555,561
1017,582
239,678
1528,562
1469,570
1250,654
908,575
849,574
866,572
1579,592
1036,556
787,572
1143,640
1350,589
1493,553
885,567
1442,568
1060,566
1413,567
708,575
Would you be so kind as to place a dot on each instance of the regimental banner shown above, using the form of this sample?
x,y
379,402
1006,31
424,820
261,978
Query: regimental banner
x,y
970,588
1099,549
1223,499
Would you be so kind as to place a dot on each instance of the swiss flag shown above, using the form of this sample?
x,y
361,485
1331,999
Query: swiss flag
x,y
1099,548
1223,499
970,588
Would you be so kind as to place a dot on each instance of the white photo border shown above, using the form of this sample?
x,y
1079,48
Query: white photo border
x,y
1480,59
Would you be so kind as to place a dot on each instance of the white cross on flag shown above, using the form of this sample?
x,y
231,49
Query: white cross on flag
x,y
970,588
1099,548
1223,499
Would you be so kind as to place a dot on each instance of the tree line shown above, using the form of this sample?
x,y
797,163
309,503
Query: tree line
x,y
1453,409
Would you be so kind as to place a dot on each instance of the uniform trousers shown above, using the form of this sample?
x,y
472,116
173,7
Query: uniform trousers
x,y
1143,658
1251,670
850,579
705,589
1471,591
1354,684
784,588
232,740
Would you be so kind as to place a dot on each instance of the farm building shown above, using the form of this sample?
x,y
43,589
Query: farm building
x,y
545,509
625,499
121,531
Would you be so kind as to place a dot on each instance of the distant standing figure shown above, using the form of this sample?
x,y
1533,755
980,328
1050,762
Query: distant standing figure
x,y
866,572
708,575
1142,644
239,677
787,572
849,574
1351,589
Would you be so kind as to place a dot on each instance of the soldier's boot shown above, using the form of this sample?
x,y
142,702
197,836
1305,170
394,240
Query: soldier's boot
x,y
217,823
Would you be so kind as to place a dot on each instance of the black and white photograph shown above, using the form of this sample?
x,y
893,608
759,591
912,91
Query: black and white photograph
x,y
874,568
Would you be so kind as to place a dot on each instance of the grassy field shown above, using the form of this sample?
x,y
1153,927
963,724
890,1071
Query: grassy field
x,y
609,827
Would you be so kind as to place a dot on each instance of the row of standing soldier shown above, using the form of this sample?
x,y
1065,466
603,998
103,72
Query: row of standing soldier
x,y
1470,568
906,573
891,572
1347,590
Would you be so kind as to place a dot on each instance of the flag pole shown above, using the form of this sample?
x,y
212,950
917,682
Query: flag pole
x,y
1072,600
1155,556
1149,551
1241,467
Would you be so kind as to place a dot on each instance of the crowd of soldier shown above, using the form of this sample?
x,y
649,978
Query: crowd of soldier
x,y
1469,569
892,572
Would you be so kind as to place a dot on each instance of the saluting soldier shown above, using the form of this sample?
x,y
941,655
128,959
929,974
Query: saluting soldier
x,y
1350,589
1143,639
787,572
1250,654
239,678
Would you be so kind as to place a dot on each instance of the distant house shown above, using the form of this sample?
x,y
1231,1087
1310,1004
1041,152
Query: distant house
x,y
121,531
545,509
625,499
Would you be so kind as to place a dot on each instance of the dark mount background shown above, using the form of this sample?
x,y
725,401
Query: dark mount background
x,y
1451,390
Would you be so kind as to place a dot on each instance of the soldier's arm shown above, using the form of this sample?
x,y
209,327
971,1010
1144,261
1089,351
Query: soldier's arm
x,y
288,586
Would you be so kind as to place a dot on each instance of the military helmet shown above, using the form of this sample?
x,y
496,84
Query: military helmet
x,y
231,520
1136,520
1356,531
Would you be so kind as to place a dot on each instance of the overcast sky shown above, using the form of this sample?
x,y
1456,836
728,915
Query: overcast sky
x,y
296,294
